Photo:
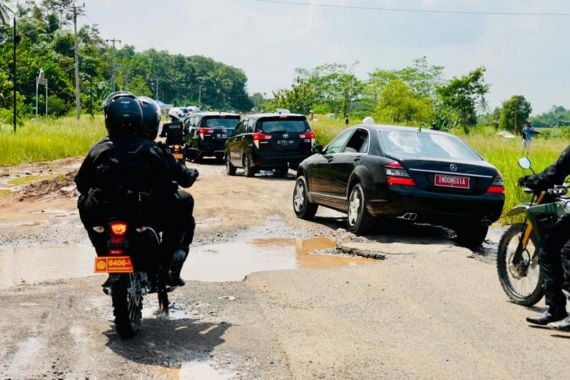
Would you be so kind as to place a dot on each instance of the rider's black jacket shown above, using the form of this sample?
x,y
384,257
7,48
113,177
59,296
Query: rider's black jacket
x,y
174,133
553,175
184,176
122,176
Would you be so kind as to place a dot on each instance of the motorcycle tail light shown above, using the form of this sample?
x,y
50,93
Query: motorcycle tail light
x,y
118,228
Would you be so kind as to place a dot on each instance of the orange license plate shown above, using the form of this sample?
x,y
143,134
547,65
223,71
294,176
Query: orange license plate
x,y
178,156
114,264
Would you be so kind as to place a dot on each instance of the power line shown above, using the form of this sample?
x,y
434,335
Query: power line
x,y
417,10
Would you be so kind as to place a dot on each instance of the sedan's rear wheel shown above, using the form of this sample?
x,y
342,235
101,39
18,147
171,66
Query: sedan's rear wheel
x,y
304,209
358,220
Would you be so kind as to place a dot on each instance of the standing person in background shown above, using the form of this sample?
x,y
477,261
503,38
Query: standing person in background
x,y
528,133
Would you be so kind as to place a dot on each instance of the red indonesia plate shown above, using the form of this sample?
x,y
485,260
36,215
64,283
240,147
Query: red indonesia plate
x,y
451,181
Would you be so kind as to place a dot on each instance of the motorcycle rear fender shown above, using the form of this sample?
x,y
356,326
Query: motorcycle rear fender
x,y
518,209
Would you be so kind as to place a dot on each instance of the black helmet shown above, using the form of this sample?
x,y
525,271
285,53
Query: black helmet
x,y
123,114
151,117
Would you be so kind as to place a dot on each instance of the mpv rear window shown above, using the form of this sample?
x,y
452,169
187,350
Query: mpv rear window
x,y
425,145
226,122
283,125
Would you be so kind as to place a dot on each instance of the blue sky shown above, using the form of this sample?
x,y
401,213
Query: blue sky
x,y
524,55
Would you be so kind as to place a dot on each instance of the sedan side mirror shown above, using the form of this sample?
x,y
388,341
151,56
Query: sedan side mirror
x,y
318,149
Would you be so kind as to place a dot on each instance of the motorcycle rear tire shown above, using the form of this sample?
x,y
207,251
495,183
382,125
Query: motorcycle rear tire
x,y
533,296
127,307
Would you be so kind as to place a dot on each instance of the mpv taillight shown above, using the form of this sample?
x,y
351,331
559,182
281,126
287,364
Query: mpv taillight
x,y
205,131
260,136
310,135
397,175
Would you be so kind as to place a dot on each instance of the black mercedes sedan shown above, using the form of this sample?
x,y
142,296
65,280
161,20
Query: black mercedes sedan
x,y
414,174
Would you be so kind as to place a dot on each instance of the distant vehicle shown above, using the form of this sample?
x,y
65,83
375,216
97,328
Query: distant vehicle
x,y
417,175
207,133
282,110
269,141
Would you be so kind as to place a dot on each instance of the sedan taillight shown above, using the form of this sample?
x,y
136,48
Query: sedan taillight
x,y
497,186
397,175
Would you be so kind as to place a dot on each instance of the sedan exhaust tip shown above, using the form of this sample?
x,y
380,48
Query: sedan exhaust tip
x,y
409,216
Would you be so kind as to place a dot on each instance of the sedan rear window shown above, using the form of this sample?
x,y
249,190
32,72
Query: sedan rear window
x,y
228,123
272,126
425,145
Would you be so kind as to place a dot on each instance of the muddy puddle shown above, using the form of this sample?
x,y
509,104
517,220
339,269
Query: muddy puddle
x,y
230,261
233,261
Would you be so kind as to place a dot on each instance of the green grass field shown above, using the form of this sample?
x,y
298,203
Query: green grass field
x,y
502,153
49,139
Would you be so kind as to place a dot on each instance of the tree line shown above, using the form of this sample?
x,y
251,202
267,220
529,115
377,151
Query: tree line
x,y
46,42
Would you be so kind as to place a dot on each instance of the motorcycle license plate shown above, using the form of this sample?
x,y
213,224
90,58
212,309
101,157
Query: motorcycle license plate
x,y
178,156
114,264
452,181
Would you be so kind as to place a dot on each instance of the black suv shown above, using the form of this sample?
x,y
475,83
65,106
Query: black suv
x,y
269,141
207,133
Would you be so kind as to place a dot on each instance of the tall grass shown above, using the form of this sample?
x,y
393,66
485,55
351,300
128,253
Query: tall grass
x,y
49,139
502,153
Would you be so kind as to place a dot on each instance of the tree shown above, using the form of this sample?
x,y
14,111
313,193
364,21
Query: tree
x,y
399,104
458,99
514,113
299,99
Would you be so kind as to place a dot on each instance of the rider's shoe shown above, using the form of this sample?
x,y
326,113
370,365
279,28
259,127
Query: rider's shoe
x,y
107,285
547,317
562,325
176,281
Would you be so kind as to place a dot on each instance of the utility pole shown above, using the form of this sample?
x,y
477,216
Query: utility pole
x,y
76,56
113,40
16,40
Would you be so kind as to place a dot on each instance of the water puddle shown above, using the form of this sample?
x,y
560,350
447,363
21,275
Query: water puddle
x,y
198,370
234,261
20,265
231,261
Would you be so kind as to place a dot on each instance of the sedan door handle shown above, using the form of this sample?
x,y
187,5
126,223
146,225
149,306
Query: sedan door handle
x,y
357,159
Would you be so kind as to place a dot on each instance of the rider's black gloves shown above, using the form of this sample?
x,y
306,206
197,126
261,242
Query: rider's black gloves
x,y
522,181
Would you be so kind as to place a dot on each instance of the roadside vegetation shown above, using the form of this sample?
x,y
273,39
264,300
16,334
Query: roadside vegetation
x,y
49,139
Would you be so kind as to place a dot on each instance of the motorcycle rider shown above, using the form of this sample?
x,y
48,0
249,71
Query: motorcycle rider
x,y
175,130
554,256
177,220
124,175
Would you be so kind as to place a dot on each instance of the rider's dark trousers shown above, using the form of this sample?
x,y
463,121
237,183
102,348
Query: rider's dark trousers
x,y
178,224
554,261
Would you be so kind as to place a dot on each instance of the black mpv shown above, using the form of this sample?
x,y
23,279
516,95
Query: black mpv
x,y
208,132
269,141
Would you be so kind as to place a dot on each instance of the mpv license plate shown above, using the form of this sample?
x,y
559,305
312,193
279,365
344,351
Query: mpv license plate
x,y
284,142
453,181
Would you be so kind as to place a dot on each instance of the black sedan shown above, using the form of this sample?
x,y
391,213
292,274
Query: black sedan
x,y
413,174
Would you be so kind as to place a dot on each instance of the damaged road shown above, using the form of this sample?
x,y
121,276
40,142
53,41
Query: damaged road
x,y
268,296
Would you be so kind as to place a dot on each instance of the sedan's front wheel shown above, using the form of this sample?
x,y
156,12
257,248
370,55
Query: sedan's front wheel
x,y
303,208
358,220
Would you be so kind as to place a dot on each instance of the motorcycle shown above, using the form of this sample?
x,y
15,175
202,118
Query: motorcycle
x,y
179,153
517,257
130,256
